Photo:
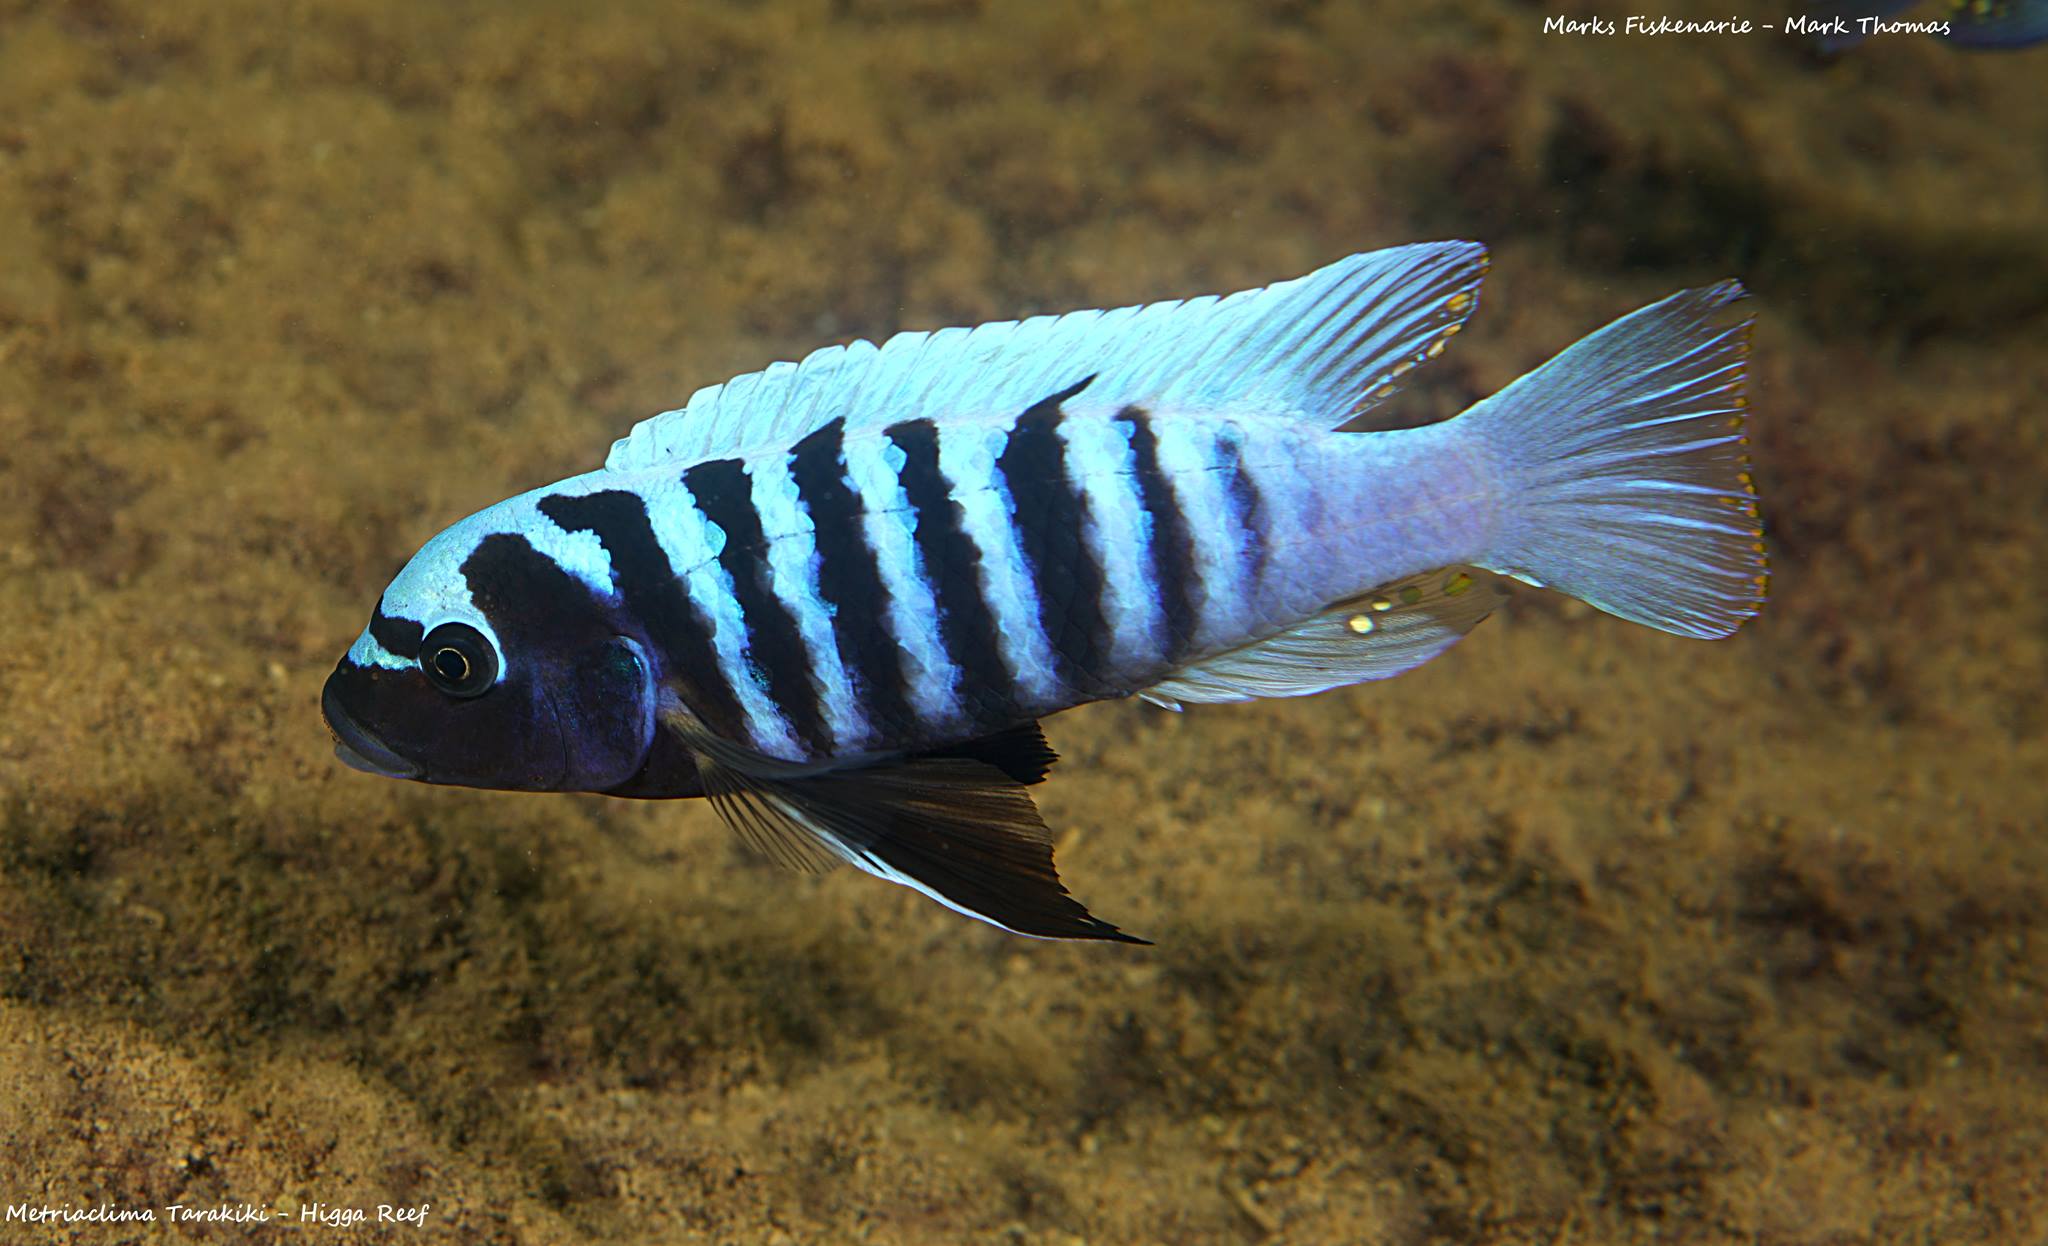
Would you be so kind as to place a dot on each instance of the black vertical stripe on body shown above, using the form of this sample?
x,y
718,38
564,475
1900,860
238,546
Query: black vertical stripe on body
x,y
987,692
1171,545
851,583
775,644
1248,507
1051,515
654,596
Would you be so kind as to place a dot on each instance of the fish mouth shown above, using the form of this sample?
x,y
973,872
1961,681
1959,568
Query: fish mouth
x,y
357,747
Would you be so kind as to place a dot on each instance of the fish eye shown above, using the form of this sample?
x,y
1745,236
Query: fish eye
x,y
458,660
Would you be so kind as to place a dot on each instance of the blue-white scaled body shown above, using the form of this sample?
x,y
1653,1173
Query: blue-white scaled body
x,y
837,596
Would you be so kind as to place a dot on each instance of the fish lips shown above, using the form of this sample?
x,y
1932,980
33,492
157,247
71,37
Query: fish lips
x,y
357,747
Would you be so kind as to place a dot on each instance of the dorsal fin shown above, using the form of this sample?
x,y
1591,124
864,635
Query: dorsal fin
x,y
1323,347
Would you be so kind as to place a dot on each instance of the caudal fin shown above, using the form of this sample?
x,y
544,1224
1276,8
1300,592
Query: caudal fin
x,y
1627,469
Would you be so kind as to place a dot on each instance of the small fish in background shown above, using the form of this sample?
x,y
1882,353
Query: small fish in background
x,y
1980,25
835,597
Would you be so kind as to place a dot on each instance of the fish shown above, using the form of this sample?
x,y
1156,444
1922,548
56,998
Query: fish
x,y
837,597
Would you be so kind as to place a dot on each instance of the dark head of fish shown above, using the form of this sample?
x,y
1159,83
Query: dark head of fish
x,y
551,693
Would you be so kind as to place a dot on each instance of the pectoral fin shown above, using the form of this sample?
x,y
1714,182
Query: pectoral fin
x,y
957,826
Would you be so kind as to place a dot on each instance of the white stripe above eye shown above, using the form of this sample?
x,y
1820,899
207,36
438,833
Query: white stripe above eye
x,y
432,588
366,652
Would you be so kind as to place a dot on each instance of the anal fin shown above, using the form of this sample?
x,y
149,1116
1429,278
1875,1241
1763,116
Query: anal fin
x,y
1377,635
958,827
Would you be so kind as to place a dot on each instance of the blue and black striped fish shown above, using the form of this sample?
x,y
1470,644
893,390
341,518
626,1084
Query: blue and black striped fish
x,y
836,596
